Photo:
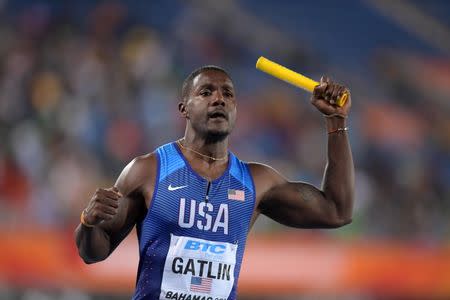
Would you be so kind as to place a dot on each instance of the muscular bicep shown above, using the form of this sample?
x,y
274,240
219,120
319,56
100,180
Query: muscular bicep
x,y
299,204
135,184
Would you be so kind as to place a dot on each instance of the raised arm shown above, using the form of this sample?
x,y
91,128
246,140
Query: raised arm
x,y
300,204
112,213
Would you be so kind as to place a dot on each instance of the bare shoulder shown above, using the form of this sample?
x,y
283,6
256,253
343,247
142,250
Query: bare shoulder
x,y
265,177
139,173
263,172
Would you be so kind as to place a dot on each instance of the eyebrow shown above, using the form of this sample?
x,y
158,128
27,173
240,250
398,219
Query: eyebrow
x,y
228,87
210,85
205,85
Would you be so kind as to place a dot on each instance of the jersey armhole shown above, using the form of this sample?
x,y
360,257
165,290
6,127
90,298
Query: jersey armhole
x,y
247,167
155,191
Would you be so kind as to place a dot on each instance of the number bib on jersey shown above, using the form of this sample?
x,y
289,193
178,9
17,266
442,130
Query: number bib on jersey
x,y
198,269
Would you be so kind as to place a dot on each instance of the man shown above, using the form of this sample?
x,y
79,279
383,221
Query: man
x,y
193,202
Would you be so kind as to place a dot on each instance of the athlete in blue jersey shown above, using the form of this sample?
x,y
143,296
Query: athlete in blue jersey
x,y
193,201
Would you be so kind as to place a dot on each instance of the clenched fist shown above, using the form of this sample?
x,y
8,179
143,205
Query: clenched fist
x,y
325,96
103,206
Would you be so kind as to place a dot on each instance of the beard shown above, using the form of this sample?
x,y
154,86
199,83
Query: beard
x,y
212,135
215,136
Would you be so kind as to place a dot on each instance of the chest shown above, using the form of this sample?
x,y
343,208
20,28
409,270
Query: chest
x,y
186,202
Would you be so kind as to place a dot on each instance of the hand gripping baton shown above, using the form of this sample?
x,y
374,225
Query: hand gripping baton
x,y
292,77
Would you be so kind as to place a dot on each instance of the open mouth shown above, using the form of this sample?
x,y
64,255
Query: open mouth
x,y
217,115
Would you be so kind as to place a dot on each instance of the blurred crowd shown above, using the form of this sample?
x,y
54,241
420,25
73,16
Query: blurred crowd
x,y
79,98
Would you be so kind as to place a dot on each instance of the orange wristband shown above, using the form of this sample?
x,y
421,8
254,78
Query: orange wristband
x,y
83,221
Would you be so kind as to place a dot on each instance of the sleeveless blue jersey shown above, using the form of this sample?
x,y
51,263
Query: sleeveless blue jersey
x,y
192,240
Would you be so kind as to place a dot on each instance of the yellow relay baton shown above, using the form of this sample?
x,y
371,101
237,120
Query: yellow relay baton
x,y
292,77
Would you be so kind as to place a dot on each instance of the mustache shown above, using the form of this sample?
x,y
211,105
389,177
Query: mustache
x,y
218,113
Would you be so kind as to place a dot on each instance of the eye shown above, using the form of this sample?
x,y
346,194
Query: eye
x,y
205,93
228,94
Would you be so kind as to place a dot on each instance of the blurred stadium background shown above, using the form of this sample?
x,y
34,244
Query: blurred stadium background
x,y
85,86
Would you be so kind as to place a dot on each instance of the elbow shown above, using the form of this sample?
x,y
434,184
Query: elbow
x,y
344,218
339,222
89,259
341,219
343,214
86,259
345,221
89,251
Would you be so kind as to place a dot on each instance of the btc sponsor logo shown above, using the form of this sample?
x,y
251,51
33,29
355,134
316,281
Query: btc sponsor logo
x,y
205,247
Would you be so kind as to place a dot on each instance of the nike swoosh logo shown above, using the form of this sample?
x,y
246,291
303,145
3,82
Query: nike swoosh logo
x,y
174,188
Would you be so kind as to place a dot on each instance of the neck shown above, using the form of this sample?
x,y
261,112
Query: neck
x,y
207,146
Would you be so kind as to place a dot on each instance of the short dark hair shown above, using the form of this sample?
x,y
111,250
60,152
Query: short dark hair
x,y
187,84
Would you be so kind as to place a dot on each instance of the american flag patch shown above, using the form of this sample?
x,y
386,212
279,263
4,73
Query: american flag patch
x,y
238,195
202,285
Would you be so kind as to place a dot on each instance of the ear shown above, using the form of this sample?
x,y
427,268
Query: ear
x,y
182,109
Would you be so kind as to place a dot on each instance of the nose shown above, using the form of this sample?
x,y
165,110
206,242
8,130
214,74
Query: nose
x,y
218,99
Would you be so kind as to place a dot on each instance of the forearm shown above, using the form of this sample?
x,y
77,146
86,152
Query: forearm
x,y
338,182
93,243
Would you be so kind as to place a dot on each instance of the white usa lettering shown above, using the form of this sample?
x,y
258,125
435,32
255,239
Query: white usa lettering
x,y
201,214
